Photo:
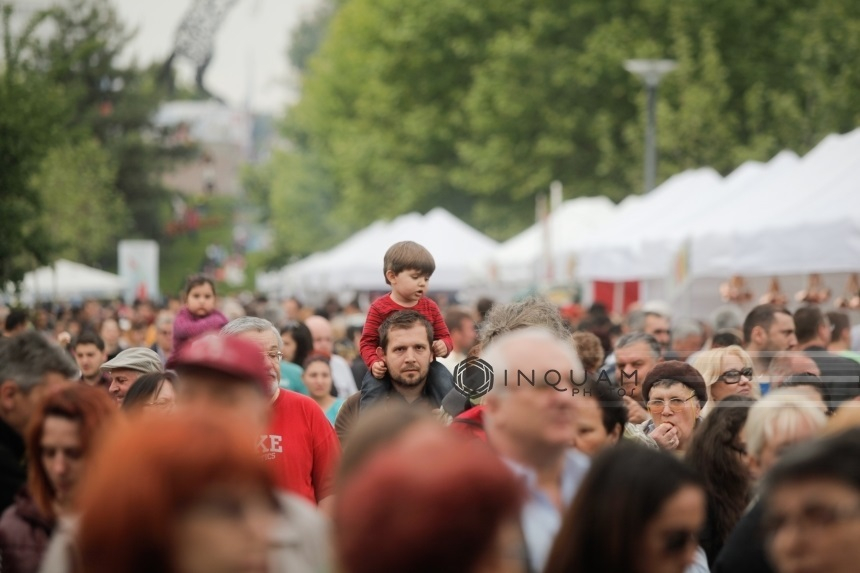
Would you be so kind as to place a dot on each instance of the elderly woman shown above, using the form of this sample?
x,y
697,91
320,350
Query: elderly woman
x,y
674,393
727,371
64,427
776,423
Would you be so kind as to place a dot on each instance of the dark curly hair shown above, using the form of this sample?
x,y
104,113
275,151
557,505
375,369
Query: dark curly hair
x,y
716,453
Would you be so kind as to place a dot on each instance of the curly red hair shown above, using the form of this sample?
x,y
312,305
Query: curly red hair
x,y
144,478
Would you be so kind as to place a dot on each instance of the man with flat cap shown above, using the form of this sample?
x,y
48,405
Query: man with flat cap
x,y
126,367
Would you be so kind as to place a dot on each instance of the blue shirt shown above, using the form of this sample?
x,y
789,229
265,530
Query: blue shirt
x,y
540,519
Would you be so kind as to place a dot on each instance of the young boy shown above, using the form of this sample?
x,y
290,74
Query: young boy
x,y
407,267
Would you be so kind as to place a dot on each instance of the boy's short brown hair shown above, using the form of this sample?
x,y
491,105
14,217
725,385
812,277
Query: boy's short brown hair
x,y
408,255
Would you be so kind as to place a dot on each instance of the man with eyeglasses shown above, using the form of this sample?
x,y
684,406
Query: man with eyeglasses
x,y
300,442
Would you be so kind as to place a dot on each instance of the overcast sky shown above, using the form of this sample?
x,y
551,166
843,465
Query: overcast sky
x,y
250,62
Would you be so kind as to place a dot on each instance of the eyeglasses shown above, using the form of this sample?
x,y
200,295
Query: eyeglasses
x,y
734,376
675,404
273,356
811,518
677,541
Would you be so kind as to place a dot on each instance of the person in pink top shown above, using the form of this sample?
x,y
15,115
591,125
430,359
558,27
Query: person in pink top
x,y
199,314
407,267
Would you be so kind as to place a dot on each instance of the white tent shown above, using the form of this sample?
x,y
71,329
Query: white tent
x,y
67,280
521,259
356,264
614,251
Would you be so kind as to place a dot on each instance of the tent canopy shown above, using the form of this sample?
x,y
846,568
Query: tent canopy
x,y
66,280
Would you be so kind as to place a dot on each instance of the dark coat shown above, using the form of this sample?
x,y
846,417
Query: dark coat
x,y
743,551
12,468
24,535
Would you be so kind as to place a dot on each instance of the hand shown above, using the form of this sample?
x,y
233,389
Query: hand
x,y
378,369
636,414
666,436
64,338
439,349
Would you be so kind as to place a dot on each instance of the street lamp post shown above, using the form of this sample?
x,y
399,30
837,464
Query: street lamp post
x,y
650,72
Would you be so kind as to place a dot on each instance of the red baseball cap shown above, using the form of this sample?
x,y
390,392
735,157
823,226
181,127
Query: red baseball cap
x,y
230,355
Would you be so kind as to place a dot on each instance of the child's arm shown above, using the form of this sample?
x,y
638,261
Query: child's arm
x,y
370,336
440,329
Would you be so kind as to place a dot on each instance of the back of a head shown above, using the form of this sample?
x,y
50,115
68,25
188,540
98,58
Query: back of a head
x,y
27,357
781,412
16,319
144,476
840,324
531,312
430,502
623,491
589,349
727,317
807,321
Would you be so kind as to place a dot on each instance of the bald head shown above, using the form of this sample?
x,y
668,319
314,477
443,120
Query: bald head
x,y
321,333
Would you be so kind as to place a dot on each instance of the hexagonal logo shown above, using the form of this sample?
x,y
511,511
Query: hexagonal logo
x,y
473,377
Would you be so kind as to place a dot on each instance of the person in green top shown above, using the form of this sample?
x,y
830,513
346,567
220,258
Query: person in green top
x,y
317,379
297,345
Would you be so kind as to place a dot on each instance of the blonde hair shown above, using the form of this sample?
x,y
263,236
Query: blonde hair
x,y
781,412
710,366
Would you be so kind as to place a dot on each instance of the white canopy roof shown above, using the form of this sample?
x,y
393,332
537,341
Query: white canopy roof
x,y
519,259
356,264
66,280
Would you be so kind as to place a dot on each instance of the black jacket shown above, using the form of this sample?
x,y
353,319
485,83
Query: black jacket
x,y
13,469
743,551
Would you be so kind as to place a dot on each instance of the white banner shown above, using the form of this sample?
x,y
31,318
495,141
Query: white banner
x,y
138,266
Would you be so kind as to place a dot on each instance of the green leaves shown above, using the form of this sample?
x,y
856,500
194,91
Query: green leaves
x,y
478,106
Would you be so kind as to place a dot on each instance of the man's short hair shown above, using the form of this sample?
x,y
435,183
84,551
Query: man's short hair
x,y
408,256
839,323
454,318
251,324
632,338
727,317
88,336
16,318
807,321
763,316
686,327
27,357
531,312
403,320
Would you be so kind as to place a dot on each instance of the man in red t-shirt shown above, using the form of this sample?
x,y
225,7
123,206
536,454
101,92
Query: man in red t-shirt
x,y
296,438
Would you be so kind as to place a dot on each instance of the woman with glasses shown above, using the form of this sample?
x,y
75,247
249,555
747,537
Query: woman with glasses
x,y
811,504
727,371
674,393
152,392
718,452
638,510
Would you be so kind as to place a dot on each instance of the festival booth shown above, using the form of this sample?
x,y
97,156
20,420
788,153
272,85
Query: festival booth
x,y
66,280
698,241
355,266
545,251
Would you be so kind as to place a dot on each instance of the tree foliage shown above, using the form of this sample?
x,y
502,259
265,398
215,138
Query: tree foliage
x,y
478,106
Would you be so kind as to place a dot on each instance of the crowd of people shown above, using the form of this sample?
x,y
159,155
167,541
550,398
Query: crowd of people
x,y
275,437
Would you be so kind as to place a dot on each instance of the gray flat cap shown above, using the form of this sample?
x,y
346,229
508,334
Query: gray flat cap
x,y
139,358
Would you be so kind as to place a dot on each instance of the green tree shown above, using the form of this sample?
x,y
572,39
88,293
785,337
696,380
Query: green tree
x,y
80,205
31,111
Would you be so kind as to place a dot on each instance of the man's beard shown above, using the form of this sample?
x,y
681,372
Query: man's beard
x,y
411,382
